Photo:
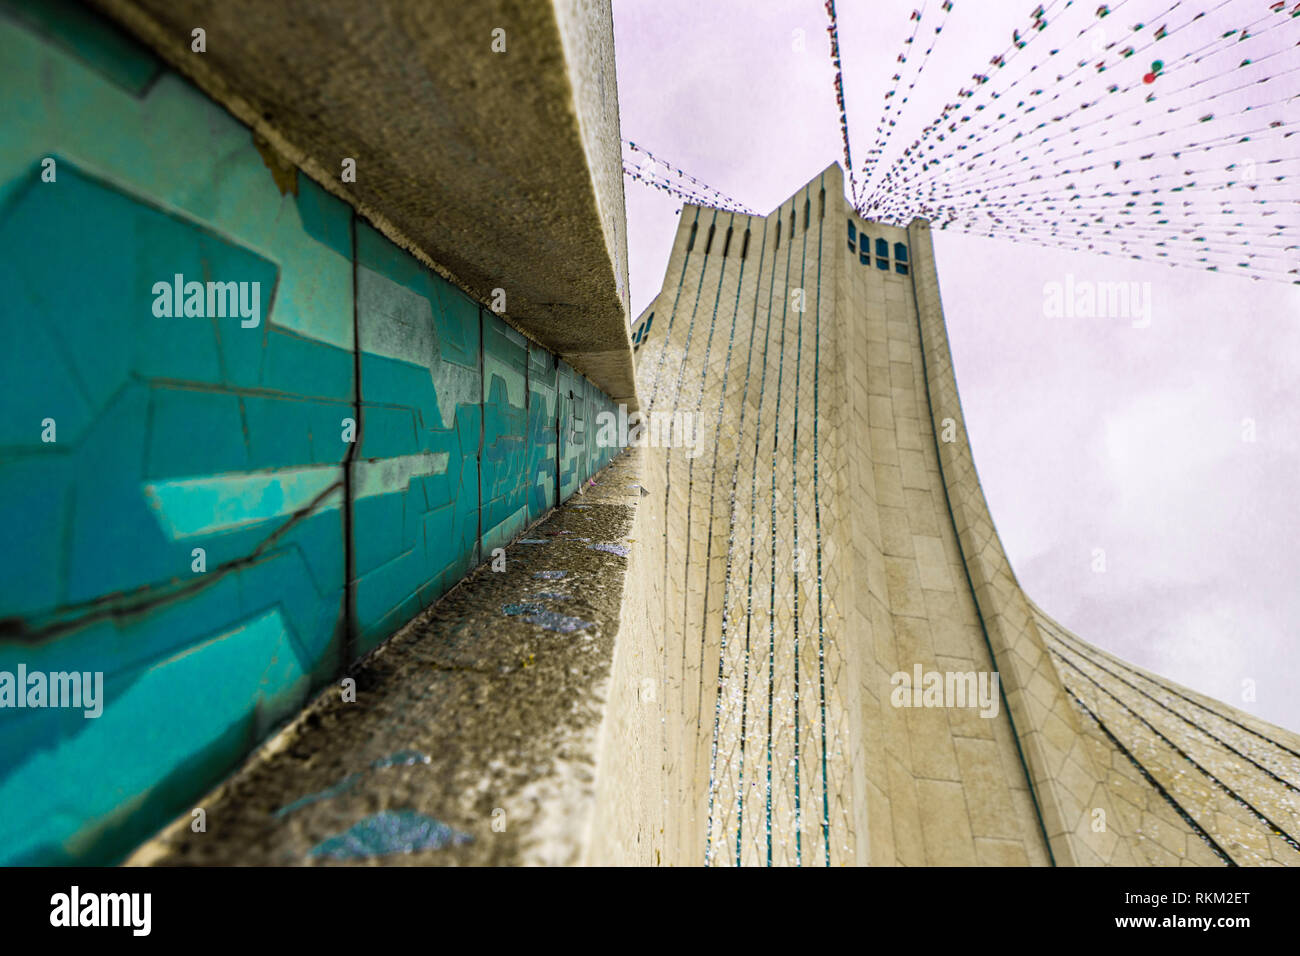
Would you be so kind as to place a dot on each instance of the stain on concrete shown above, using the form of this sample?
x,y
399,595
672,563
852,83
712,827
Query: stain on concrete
x,y
510,610
560,623
389,832
403,758
343,786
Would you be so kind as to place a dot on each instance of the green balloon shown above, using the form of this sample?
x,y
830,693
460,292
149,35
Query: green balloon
x,y
1157,66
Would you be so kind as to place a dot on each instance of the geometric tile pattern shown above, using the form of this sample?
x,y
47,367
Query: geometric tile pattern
x,y
1183,762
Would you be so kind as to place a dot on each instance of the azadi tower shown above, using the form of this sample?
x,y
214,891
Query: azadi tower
x,y
371,578
829,534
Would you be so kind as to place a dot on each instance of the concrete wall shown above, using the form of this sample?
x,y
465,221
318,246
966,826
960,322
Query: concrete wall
x,y
938,786
179,433
1197,782
745,568
831,534
808,556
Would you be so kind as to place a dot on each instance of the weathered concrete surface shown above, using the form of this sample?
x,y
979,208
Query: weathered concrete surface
x,y
832,536
632,799
1199,782
485,714
501,170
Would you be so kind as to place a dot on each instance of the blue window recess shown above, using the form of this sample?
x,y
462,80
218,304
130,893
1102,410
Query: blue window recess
x,y
882,255
900,258
853,237
640,334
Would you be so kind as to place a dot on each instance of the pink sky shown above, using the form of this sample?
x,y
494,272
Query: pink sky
x,y
1087,432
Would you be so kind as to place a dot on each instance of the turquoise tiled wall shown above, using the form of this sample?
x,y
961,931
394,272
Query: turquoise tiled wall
x,y
542,431
181,433
504,508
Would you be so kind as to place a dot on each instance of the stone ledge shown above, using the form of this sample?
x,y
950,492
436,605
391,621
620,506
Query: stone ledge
x,y
497,170
476,732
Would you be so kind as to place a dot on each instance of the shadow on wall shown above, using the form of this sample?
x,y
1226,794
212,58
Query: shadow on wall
x,y
245,439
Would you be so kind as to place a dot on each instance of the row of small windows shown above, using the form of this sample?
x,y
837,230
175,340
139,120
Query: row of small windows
x,y
641,331
744,246
807,215
726,244
862,246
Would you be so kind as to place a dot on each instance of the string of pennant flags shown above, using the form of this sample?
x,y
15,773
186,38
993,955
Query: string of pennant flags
x,y
987,128
885,126
833,31
985,193
664,176
1039,23
1044,168
1001,60
1006,175
1015,190
1059,118
1247,178
1148,129
1157,251
698,199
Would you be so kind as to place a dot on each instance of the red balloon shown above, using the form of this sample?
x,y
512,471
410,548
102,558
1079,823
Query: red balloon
x,y
1149,78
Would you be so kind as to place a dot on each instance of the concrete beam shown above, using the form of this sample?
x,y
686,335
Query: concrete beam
x,y
500,170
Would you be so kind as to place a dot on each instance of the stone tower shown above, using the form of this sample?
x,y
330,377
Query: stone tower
x,y
819,555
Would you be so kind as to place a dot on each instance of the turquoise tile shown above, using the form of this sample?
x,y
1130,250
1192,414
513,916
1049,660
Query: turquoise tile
x,y
101,45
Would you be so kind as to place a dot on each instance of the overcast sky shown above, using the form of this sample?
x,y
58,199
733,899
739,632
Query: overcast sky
x,y
1088,433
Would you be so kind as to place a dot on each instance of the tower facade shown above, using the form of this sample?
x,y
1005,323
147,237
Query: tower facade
x,y
851,671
